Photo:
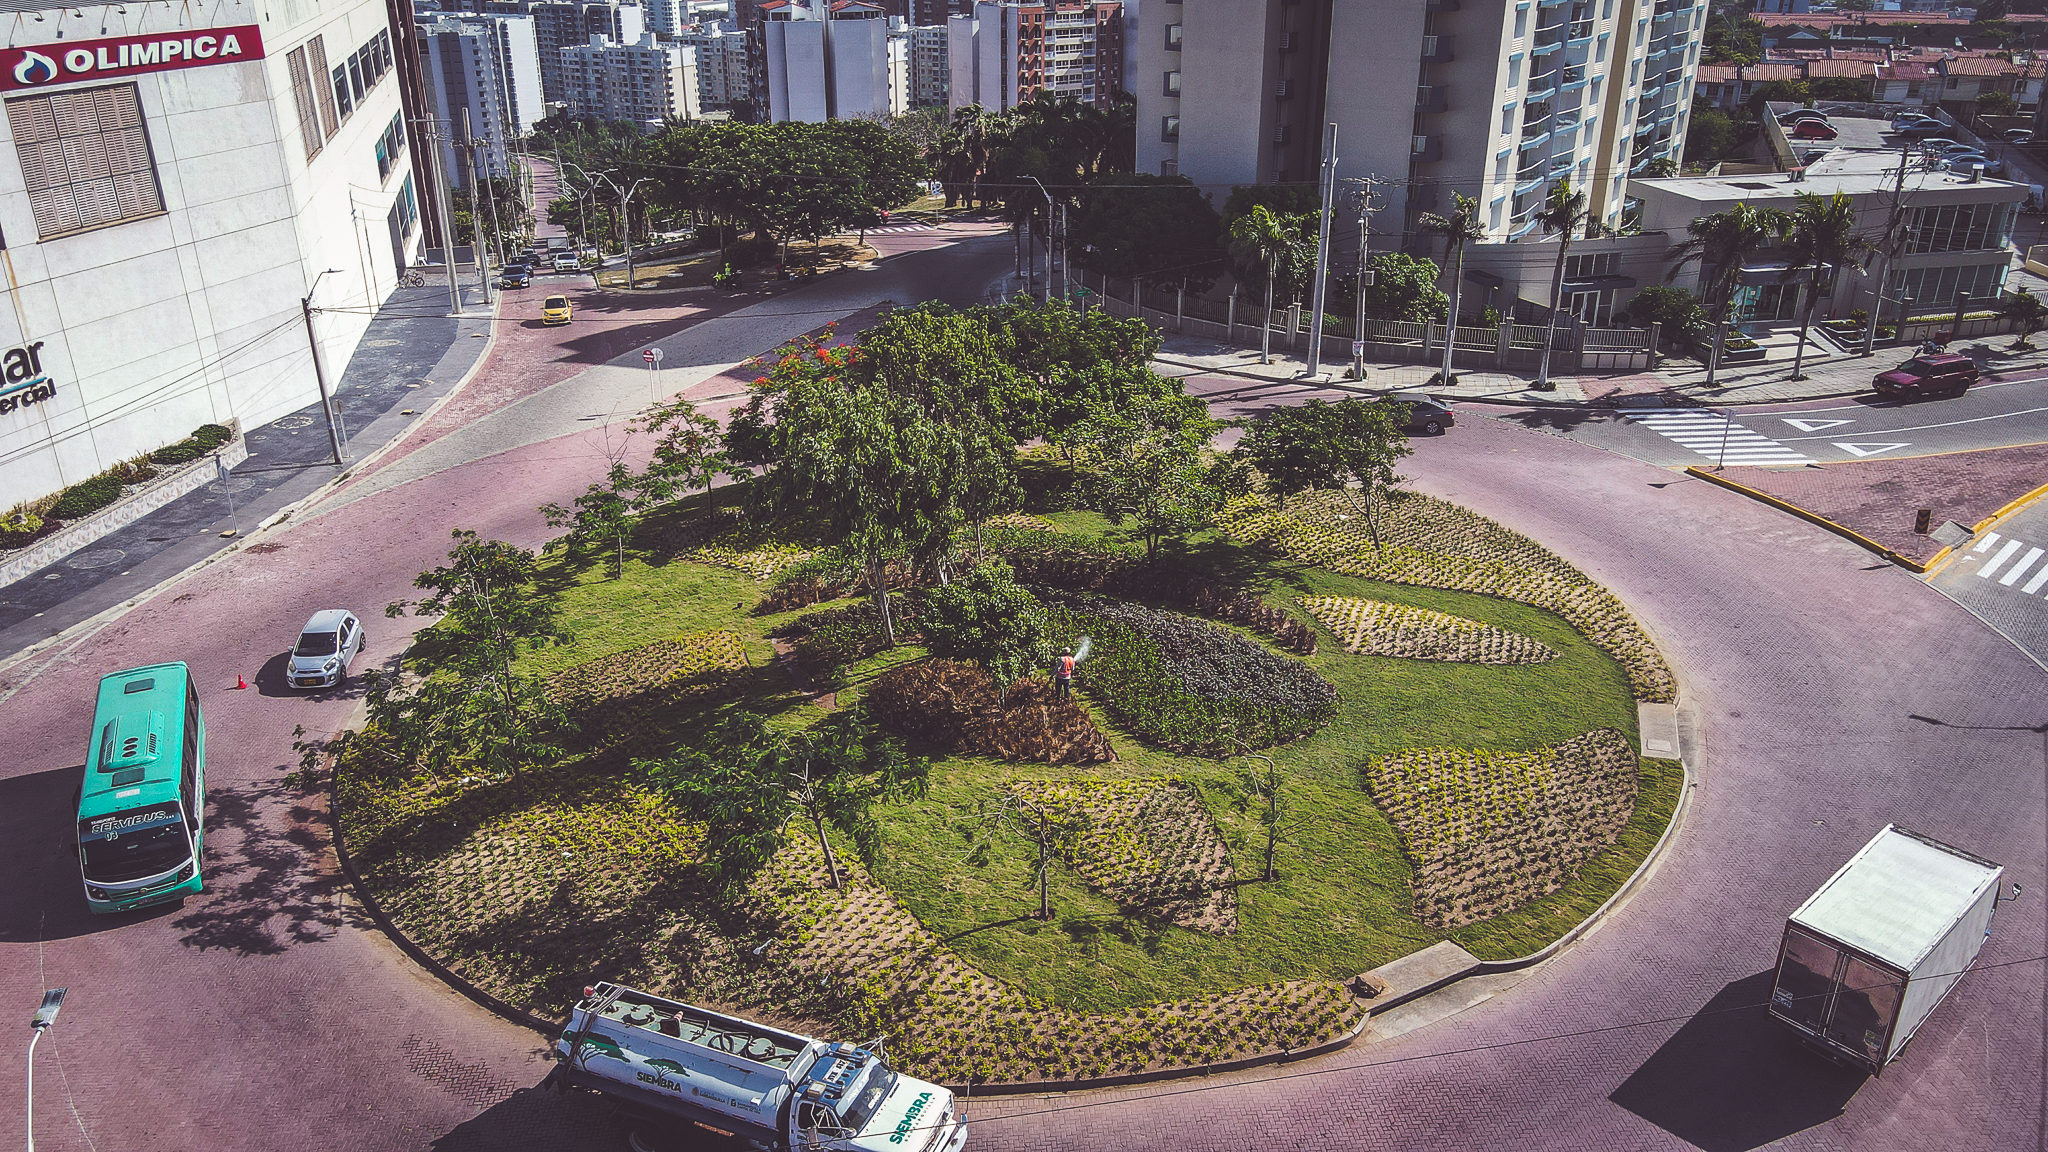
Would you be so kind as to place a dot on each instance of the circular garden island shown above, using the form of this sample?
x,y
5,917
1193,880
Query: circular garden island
x,y
1293,753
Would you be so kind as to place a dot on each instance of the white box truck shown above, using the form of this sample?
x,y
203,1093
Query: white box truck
x,y
1865,960
671,1065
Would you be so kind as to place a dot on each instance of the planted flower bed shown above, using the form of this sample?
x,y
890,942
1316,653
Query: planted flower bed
x,y
757,550
1376,628
1185,683
953,705
620,700
1487,832
1342,547
1148,844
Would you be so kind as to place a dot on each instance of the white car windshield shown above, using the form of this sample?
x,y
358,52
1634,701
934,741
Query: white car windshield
x,y
316,644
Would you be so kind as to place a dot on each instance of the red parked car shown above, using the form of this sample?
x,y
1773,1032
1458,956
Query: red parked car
x,y
1939,374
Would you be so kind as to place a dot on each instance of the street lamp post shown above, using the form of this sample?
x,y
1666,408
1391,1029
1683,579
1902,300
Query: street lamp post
x,y
46,1015
1048,235
319,368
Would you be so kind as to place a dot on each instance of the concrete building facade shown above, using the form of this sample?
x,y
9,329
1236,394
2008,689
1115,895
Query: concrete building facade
x,y
645,82
721,66
168,194
1002,54
823,61
485,69
929,80
1499,101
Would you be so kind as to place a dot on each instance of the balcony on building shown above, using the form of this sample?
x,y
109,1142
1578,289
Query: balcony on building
x,y
1440,5
1580,32
1436,50
1429,98
1541,87
1575,76
1425,149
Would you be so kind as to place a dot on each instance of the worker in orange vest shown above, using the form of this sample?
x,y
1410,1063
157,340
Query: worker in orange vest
x,y
1063,673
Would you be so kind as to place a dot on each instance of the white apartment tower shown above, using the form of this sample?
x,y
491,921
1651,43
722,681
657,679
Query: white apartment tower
x,y
1508,97
645,82
721,66
486,68
825,61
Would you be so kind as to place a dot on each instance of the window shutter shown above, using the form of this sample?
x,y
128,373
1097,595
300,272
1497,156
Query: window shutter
x,y
84,158
316,61
302,97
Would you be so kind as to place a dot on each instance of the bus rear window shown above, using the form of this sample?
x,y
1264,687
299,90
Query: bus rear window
x,y
134,686
133,844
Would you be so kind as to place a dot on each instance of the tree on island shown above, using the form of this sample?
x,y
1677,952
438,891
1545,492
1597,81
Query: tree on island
x,y
986,617
1349,447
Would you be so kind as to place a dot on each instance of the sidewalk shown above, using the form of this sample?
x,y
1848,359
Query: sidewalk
x,y
1677,383
411,355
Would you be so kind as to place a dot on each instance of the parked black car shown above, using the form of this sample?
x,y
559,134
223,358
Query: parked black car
x,y
516,276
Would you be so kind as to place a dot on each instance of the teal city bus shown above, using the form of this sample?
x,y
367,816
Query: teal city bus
x,y
143,802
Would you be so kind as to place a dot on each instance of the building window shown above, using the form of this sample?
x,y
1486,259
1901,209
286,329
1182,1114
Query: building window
x,y
1959,228
1169,128
390,146
85,159
1173,83
316,63
1173,37
342,99
302,97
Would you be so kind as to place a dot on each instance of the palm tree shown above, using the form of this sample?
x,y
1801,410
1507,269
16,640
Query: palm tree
x,y
1722,243
1457,229
1564,213
1823,242
1265,232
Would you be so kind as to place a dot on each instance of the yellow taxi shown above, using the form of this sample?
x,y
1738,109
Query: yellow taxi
x,y
554,310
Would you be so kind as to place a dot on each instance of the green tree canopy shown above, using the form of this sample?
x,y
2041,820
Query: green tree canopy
x,y
1676,311
1160,229
986,617
1144,463
1349,447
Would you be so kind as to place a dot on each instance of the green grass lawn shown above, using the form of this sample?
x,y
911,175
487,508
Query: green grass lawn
x,y
1341,903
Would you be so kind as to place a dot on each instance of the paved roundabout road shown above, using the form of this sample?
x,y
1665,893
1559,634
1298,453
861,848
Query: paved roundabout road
x,y
1836,695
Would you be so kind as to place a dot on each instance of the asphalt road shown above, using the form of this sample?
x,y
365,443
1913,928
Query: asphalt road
x,y
1996,414
1836,694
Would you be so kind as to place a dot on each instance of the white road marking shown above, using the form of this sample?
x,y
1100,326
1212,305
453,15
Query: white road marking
x,y
2039,579
1990,567
2018,570
1946,424
1816,425
1716,437
1985,544
1870,449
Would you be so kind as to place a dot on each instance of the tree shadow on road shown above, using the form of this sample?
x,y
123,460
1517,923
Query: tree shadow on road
x,y
1732,1079
272,878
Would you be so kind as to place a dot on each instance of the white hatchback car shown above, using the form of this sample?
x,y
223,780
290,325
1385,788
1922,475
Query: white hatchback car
x,y
328,643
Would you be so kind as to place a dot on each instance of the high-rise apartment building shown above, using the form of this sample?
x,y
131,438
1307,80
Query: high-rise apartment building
x,y
929,81
1492,99
1001,54
559,24
821,61
646,81
484,69
721,66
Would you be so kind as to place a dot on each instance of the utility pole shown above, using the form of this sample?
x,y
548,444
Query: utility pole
x,y
1885,254
476,211
1328,189
319,367
1363,194
433,135
1049,211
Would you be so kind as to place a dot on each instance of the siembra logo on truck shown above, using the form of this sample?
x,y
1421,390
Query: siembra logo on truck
x,y
910,1117
128,56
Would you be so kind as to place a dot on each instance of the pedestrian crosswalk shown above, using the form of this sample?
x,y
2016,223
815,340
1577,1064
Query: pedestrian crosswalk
x,y
2013,561
887,228
1716,437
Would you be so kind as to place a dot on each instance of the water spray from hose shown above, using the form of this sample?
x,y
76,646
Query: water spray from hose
x,y
1081,647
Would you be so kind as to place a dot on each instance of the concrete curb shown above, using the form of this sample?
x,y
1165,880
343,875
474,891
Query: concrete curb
x,y
1846,533
91,624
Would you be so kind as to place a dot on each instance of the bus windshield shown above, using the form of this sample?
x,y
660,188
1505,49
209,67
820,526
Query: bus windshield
x,y
133,844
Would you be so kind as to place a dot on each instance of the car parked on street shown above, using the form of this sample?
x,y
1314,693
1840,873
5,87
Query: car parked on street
x,y
516,276
2020,135
329,642
1937,374
1426,414
555,310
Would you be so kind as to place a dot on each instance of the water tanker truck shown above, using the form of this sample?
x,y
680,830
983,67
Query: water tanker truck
x,y
678,1068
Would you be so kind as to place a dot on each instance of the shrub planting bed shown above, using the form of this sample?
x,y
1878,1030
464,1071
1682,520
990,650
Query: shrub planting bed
x,y
1376,628
830,641
1185,683
1147,844
1312,533
620,701
953,705
756,550
1487,832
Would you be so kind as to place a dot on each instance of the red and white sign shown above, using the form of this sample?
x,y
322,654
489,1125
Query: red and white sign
x,y
69,62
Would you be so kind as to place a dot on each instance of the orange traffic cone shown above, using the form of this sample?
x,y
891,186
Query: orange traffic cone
x,y
239,682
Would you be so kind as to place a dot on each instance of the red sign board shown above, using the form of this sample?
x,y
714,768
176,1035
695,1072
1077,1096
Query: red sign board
x,y
69,62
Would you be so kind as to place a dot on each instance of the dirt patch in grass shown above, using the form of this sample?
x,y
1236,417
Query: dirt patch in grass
x,y
1488,832
1377,628
1148,844
953,706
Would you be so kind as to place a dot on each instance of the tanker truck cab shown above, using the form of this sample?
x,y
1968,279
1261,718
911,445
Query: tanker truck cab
x,y
671,1066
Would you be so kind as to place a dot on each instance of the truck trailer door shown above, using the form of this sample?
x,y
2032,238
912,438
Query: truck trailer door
x,y
1807,976
1866,1003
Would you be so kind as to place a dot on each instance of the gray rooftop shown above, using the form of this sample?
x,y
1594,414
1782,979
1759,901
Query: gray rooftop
x,y
1897,897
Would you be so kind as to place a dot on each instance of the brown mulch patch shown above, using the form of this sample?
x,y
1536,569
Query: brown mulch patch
x,y
954,706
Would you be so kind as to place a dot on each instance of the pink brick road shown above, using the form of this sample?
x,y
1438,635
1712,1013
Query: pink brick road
x,y
267,1016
